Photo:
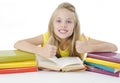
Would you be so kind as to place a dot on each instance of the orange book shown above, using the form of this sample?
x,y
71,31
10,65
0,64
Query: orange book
x,y
19,70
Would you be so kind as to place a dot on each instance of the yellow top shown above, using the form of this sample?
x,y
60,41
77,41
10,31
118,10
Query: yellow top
x,y
63,53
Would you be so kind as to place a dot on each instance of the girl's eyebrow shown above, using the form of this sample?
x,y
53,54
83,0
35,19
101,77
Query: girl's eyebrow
x,y
69,18
58,18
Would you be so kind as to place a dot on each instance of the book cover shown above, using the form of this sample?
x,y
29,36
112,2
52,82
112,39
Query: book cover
x,y
103,67
61,64
18,64
103,62
15,55
93,69
19,70
109,56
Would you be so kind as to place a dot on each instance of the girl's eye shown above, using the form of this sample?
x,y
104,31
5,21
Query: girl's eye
x,y
69,21
58,21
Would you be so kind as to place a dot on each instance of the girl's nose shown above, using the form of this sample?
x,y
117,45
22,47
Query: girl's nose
x,y
64,25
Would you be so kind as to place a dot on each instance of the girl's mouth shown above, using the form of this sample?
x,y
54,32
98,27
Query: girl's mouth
x,y
63,31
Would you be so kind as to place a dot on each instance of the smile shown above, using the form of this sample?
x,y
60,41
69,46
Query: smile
x,y
63,31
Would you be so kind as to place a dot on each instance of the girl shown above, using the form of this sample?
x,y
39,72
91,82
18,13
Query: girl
x,y
63,38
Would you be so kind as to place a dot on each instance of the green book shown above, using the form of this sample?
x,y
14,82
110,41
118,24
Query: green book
x,y
15,55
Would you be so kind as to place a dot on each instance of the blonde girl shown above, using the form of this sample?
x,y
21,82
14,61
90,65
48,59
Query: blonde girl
x,y
63,38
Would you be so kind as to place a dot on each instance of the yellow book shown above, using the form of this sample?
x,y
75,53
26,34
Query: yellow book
x,y
18,64
103,62
15,55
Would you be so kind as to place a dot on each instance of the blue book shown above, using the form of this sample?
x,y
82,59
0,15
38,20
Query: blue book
x,y
102,67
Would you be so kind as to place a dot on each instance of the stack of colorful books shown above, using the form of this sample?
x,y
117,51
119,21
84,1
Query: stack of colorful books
x,y
16,61
104,62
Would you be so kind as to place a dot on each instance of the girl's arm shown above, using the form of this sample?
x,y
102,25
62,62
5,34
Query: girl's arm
x,y
32,45
93,45
101,46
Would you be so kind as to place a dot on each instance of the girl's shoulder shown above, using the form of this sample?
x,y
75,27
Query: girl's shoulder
x,y
81,37
46,36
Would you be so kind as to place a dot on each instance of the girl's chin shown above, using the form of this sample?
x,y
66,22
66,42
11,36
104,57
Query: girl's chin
x,y
63,37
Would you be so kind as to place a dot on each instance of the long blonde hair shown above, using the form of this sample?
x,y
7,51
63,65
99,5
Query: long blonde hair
x,y
76,32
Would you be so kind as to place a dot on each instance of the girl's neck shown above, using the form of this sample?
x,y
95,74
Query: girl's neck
x,y
64,44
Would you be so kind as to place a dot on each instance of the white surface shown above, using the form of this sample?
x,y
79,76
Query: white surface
x,y
58,77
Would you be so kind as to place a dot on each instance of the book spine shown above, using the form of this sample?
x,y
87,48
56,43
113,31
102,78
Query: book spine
x,y
104,58
18,64
19,70
93,69
103,62
101,67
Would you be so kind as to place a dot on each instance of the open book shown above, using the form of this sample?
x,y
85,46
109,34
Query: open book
x,y
60,64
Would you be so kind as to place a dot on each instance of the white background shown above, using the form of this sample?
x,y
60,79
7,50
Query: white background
x,y
19,19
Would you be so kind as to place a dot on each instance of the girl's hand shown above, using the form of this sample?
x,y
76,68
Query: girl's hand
x,y
49,50
82,46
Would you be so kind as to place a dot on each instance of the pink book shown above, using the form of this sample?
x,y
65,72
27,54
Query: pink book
x,y
96,70
108,56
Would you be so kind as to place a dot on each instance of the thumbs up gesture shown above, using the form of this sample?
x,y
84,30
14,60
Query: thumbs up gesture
x,y
82,46
50,50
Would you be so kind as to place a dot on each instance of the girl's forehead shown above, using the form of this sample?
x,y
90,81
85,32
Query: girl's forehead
x,y
64,12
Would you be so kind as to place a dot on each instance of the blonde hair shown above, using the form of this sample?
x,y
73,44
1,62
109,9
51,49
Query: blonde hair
x,y
76,32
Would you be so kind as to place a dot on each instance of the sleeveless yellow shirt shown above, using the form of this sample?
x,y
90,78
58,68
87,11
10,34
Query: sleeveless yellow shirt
x,y
63,53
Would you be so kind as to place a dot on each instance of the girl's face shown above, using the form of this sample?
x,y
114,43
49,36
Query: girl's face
x,y
64,23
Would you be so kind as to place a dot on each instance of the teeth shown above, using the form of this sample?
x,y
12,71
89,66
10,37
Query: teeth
x,y
62,31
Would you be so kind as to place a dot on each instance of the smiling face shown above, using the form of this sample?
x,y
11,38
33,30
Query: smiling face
x,y
64,23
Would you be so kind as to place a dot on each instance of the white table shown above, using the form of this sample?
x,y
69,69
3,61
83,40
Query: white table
x,y
58,77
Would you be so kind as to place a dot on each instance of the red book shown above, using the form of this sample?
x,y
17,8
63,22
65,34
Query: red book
x,y
101,71
18,70
108,56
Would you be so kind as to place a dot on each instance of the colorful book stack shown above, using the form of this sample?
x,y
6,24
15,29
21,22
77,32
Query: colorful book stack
x,y
16,61
104,62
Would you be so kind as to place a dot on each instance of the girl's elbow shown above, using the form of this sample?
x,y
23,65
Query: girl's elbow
x,y
17,44
115,48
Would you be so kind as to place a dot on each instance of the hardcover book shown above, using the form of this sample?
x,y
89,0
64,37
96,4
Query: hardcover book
x,y
61,64
110,69
97,70
19,70
109,56
103,62
18,64
15,55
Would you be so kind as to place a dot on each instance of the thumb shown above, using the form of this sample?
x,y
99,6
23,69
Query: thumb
x,y
50,40
84,37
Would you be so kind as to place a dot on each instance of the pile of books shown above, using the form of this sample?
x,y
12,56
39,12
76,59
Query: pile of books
x,y
104,62
16,61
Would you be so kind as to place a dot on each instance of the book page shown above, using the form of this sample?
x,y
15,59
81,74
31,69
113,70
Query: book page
x,y
47,63
46,60
60,62
65,61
